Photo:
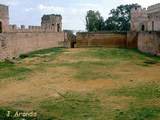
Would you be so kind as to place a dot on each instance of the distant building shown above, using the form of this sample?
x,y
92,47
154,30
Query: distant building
x,y
146,19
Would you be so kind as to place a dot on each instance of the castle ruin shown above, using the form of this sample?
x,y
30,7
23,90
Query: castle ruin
x,y
53,22
20,40
144,34
143,19
4,18
49,23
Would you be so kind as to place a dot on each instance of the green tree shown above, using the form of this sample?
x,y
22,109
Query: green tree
x,y
119,19
94,21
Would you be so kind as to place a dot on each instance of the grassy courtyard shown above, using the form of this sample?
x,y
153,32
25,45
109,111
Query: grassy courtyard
x,y
81,84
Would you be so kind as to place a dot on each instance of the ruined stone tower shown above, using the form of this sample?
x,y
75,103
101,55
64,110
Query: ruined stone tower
x,y
154,17
4,18
53,22
139,19
146,19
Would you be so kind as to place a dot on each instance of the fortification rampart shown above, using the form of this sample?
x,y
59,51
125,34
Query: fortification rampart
x,y
14,44
19,40
106,39
149,42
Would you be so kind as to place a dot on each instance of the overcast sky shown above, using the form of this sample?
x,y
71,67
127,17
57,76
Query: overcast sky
x,y
29,12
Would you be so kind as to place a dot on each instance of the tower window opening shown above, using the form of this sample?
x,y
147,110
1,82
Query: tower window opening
x,y
0,27
143,28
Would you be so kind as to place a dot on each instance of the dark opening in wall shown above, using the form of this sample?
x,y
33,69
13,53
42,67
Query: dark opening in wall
x,y
58,27
0,27
152,25
143,28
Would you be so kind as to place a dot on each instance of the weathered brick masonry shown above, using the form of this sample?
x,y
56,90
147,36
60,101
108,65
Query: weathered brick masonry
x,y
15,41
19,40
107,39
14,44
149,42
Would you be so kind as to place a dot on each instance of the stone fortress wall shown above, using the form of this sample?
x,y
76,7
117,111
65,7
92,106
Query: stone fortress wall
x,y
15,41
147,23
15,44
101,39
144,34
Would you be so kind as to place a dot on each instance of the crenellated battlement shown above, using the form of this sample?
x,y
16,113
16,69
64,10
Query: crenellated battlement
x,y
23,28
49,23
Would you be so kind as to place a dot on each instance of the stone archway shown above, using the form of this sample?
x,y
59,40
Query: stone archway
x,y
0,26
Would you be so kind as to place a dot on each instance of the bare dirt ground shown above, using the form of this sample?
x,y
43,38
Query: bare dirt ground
x,y
50,82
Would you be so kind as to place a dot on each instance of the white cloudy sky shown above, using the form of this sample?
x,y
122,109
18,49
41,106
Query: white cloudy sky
x,y
29,12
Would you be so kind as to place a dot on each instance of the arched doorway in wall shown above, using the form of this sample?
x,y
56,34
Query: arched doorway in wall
x,y
0,26
142,28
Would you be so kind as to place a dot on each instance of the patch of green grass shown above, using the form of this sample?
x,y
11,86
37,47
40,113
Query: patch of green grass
x,y
9,70
72,106
6,64
147,91
88,64
139,113
90,70
88,74
43,53
109,53
117,53
14,72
